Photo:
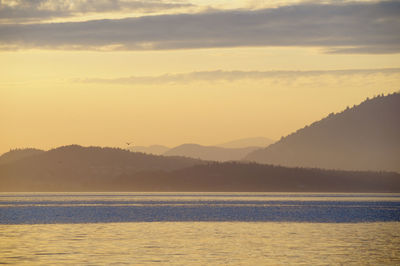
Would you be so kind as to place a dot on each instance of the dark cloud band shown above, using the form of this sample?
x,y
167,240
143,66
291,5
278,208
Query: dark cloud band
x,y
341,28
38,10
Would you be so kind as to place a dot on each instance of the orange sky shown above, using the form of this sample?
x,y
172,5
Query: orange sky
x,y
200,86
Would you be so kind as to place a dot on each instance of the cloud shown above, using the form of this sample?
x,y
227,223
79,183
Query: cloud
x,y
219,75
37,10
355,27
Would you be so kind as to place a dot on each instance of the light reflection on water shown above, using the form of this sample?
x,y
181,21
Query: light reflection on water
x,y
199,228
45,208
189,196
205,243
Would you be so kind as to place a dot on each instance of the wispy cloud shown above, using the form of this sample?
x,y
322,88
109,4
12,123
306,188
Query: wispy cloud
x,y
356,27
219,75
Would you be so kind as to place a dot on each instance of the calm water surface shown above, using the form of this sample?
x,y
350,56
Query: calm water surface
x,y
199,228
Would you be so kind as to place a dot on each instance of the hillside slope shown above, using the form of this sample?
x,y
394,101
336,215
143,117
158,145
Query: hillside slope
x,y
365,137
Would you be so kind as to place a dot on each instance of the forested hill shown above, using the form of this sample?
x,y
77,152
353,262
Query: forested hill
x,y
18,154
213,177
364,137
73,166
252,177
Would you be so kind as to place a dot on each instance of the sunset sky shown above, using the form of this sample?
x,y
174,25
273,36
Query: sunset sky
x,y
171,72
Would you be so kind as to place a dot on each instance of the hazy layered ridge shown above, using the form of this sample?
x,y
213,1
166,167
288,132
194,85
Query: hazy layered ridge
x,y
76,168
227,151
247,142
211,153
365,137
152,149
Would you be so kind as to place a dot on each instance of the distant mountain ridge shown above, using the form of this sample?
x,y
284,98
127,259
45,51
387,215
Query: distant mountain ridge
x,y
152,149
364,137
247,142
232,150
210,153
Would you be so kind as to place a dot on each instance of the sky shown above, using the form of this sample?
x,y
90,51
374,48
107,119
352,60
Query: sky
x,y
108,72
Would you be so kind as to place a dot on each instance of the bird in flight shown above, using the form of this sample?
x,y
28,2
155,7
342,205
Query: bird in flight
x,y
128,143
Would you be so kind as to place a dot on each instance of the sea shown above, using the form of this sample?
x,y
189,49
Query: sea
x,y
199,229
